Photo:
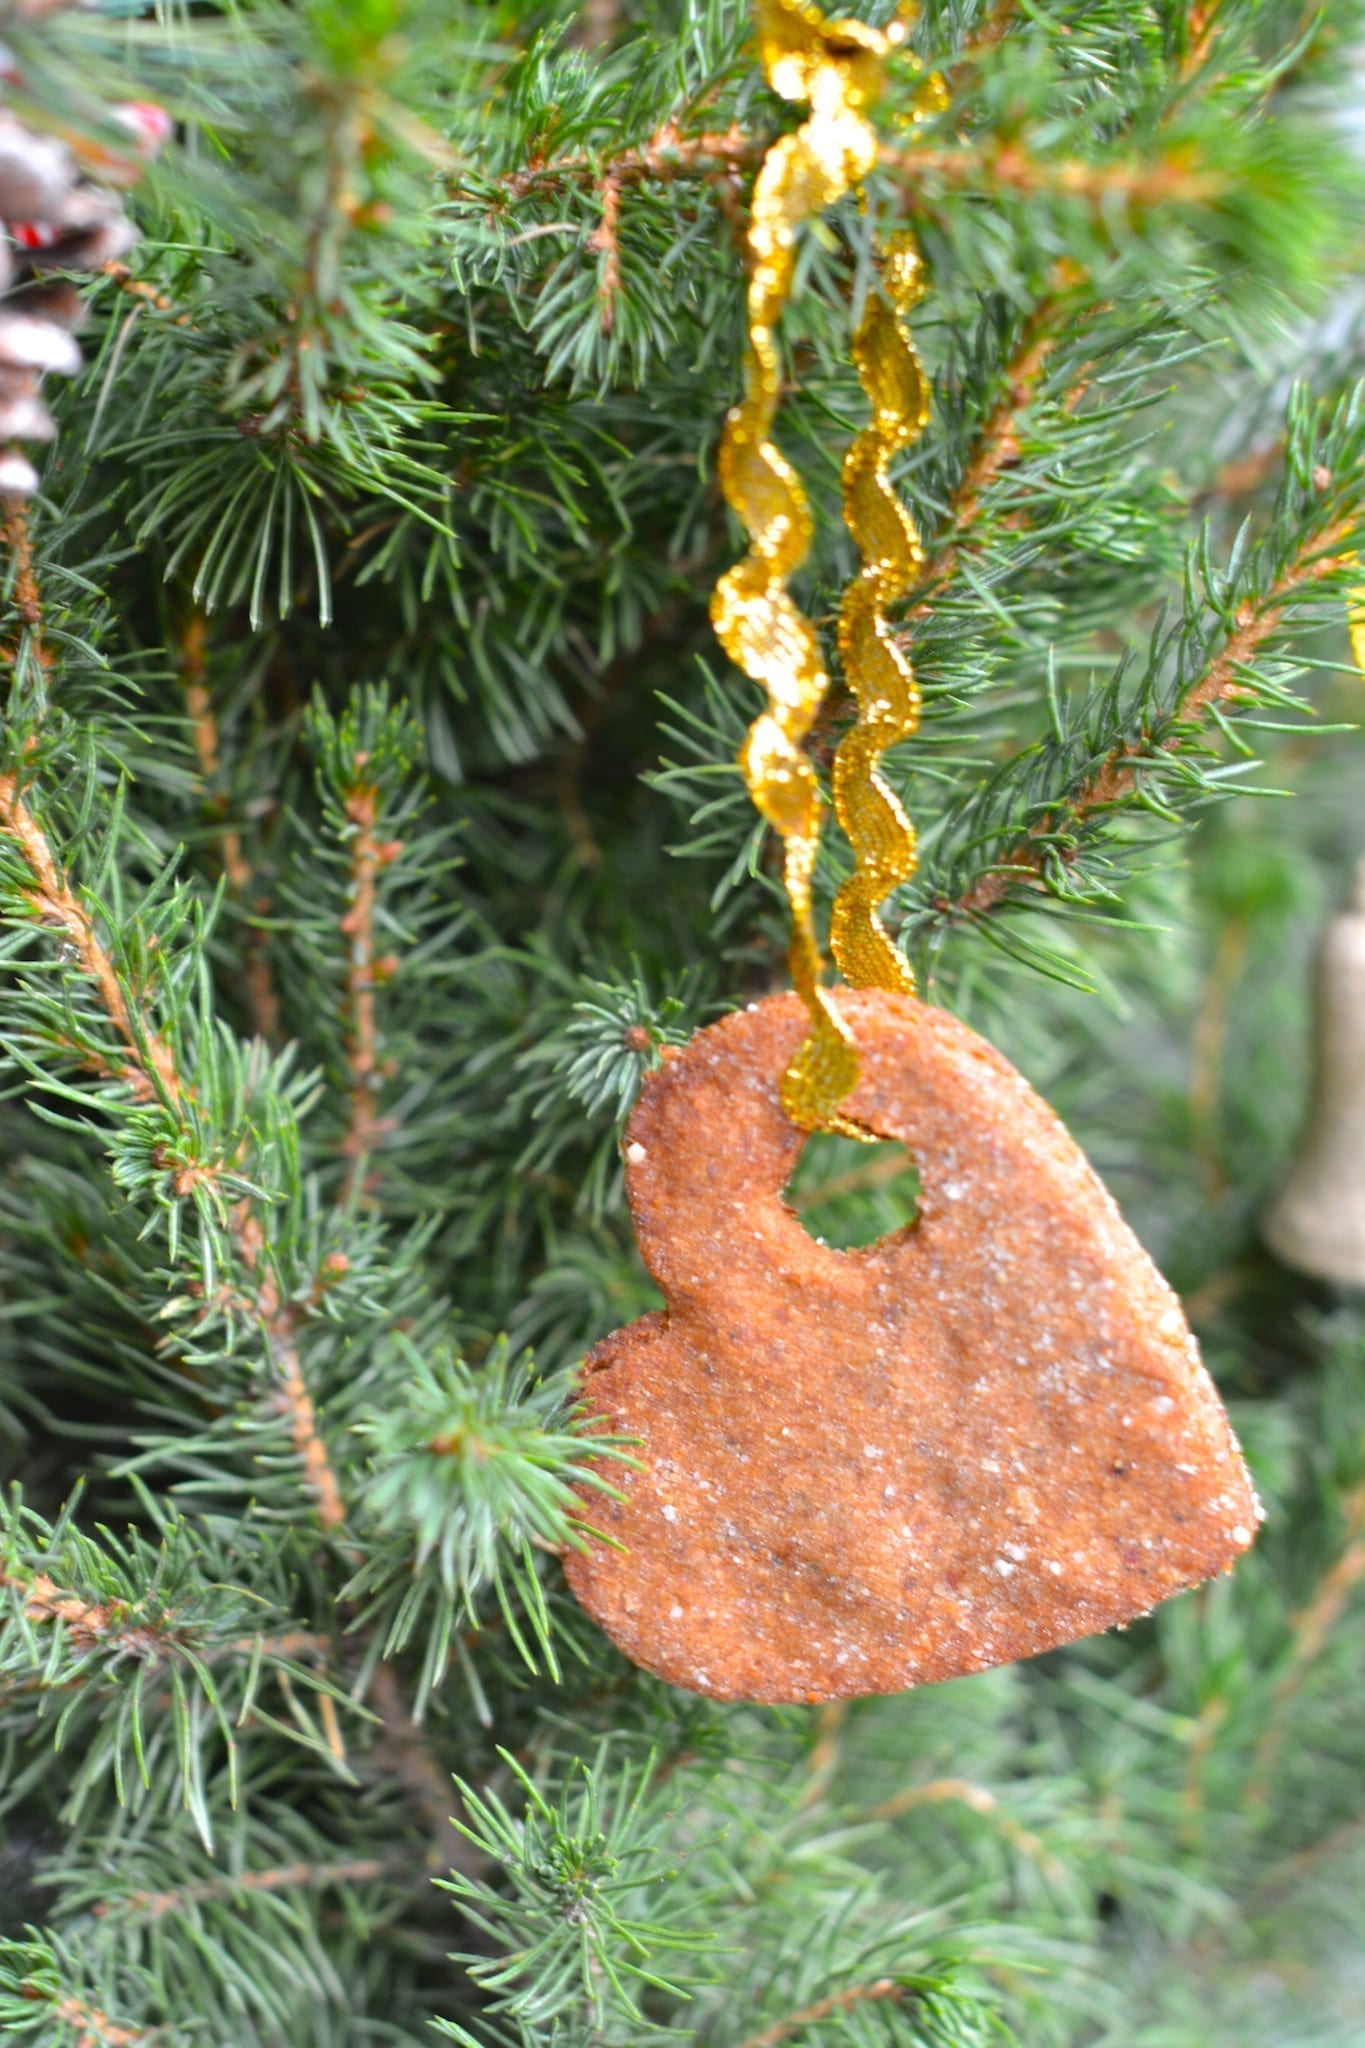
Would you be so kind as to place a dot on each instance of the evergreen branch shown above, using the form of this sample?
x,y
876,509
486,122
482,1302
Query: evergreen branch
x,y
471,1475
1138,184
152,1071
885,1990
35,1994
994,448
88,1624
997,444
473,409
150,1646
287,371
669,155
1118,776
150,1067
384,877
579,1921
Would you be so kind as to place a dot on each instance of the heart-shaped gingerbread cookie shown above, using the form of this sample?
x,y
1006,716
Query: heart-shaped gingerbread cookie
x,y
985,1435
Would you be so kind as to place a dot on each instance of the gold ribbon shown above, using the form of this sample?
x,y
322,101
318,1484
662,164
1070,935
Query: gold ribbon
x,y
835,67
882,837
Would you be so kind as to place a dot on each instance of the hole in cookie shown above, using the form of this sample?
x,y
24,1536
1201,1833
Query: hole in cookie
x,y
847,1194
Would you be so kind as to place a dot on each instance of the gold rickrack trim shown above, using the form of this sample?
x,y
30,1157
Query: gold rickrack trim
x,y
882,837
836,68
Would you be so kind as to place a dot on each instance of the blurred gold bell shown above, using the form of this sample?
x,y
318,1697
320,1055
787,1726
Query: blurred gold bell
x,y
1317,1222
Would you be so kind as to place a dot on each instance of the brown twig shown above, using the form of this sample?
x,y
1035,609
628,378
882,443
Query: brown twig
x,y
204,726
143,293
1206,1052
364,975
83,1619
1282,1876
1203,1740
596,24
996,445
1242,477
885,1989
262,1000
1315,1622
26,597
867,1177
1138,185
978,1799
823,1761
1202,26
295,1644
318,1475
1118,775
666,156
993,30
357,928
606,241
280,1319
1312,1626
89,1624
404,1749
289,1877
94,2029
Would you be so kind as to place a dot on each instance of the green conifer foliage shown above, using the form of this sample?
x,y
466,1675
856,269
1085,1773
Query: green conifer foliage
x,y
370,825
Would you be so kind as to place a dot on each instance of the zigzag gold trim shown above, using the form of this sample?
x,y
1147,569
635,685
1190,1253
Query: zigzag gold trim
x,y
836,68
882,837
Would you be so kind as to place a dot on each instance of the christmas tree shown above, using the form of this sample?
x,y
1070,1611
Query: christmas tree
x,y
371,827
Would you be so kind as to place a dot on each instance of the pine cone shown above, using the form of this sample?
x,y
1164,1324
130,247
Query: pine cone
x,y
52,219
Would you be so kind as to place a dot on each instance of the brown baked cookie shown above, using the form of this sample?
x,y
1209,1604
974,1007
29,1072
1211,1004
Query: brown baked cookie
x,y
983,1436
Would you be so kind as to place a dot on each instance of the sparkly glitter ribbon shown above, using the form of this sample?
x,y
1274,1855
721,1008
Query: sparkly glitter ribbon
x,y
882,837
835,67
